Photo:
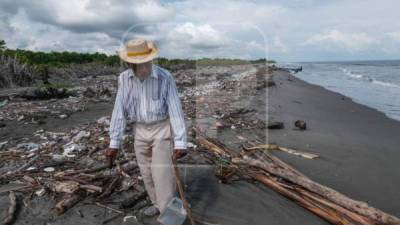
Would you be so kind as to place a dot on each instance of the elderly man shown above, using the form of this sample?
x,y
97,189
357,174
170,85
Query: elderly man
x,y
147,94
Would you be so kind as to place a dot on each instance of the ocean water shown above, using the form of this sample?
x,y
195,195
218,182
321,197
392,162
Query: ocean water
x,y
372,83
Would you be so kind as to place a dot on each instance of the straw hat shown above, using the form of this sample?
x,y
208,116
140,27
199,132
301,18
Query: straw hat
x,y
138,51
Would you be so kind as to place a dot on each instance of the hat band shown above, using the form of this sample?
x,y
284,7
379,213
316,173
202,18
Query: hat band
x,y
139,53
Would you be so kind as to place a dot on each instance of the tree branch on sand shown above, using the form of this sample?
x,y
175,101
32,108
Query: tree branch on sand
x,y
332,206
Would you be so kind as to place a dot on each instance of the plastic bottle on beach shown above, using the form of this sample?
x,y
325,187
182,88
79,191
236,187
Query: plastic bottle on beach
x,y
174,214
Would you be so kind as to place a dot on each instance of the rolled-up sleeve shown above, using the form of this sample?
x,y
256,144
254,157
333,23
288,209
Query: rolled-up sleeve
x,y
118,118
176,116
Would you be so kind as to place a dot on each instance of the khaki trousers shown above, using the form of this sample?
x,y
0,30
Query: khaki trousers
x,y
154,147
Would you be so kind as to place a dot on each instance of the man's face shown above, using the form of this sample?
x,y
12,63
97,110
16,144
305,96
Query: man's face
x,y
143,70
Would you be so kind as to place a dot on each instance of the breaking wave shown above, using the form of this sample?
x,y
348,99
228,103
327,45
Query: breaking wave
x,y
355,75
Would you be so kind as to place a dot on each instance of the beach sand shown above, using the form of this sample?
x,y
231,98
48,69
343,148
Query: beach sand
x,y
358,148
359,145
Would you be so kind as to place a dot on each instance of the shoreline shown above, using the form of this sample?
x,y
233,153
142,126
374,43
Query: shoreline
x,y
348,97
357,144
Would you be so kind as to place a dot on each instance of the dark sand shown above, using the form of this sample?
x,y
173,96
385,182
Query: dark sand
x,y
358,146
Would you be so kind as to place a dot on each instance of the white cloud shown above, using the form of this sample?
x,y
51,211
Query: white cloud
x,y
278,46
22,33
227,12
295,29
109,16
335,38
201,36
152,11
190,40
395,36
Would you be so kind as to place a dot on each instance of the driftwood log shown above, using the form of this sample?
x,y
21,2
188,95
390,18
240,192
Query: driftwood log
x,y
11,209
287,150
110,188
21,168
334,207
68,201
72,183
133,200
90,170
331,195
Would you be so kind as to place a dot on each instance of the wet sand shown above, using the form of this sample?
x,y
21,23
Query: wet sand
x,y
359,145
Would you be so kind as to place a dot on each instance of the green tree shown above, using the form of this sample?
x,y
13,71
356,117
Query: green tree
x,y
43,72
2,45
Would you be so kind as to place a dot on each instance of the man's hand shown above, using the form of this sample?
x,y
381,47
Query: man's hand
x,y
111,155
179,153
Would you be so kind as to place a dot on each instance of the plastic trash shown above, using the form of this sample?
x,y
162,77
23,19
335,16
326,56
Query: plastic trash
x,y
80,135
2,144
3,103
29,146
49,169
174,214
72,147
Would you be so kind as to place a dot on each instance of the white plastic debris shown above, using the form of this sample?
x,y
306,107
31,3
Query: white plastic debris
x,y
31,168
40,192
49,169
2,144
29,146
72,147
241,137
30,155
126,218
73,99
58,157
49,143
104,120
127,183
40,131
63,116
191,145
80,135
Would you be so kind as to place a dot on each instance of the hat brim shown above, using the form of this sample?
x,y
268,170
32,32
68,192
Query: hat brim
x,y
123,55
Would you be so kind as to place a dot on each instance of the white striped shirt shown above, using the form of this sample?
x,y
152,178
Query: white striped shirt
x,y
154,99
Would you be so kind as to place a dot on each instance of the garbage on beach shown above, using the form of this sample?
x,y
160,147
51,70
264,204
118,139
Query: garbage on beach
x,y
72,147
29,146
174,214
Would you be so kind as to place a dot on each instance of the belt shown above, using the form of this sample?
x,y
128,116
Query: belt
x,y
152,123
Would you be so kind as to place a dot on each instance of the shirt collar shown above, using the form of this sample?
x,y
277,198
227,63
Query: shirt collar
x,y
153,74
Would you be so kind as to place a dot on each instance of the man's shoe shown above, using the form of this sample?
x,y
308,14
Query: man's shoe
x,y
151,211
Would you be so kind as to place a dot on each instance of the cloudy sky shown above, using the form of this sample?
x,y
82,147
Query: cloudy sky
x,y
285,30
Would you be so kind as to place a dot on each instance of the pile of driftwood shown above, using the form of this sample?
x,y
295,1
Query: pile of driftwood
x,y
262,166
73,177
72,182
73,186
